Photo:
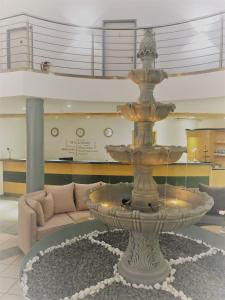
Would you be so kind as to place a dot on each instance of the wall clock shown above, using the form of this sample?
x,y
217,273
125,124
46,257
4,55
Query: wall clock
x,y
55,131
108,132
80,132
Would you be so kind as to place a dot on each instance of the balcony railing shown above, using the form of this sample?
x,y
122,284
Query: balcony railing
x,y
28,42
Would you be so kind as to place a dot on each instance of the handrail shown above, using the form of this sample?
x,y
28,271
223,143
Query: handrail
x,y
102,28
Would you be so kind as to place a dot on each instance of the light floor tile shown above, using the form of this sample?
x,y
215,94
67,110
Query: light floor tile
x,y
5,236
12,271
18,260
6,284
11,297
8,260
15,289
12,242
2,268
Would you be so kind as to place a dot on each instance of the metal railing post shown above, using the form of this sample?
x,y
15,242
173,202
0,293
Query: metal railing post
x,y
28,44
135,48
221,42
92,53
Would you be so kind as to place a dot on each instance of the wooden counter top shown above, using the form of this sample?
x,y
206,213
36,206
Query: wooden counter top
x,y
59,172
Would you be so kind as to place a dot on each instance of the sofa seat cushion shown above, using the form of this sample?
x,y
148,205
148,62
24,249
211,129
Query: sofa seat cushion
x,y
53,224
79,216
63,198
82,194
218,195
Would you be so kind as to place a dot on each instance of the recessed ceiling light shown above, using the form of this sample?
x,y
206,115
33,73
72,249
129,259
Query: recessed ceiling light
x,y
68,105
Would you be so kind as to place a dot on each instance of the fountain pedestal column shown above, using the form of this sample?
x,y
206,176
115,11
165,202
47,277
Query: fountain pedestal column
x,y
145,196
143,262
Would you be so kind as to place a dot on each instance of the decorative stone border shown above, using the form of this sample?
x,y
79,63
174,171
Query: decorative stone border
x,y
91,290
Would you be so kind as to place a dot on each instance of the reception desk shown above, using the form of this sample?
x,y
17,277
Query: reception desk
x,y
63,172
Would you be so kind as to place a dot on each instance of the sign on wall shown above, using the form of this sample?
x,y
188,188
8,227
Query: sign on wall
x,y
79,147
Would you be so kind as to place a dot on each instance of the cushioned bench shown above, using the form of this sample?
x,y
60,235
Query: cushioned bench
x,y
43,212
218,194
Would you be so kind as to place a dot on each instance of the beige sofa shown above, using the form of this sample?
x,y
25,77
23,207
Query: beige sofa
x,y
43,212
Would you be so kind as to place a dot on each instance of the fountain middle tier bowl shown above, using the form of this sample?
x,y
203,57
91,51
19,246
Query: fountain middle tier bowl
x,y
179,207
146,112
147,155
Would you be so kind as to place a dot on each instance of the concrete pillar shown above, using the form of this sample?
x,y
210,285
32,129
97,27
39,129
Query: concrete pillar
x,y
35,144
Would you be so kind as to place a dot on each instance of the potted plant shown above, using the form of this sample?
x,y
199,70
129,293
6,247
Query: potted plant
x,y
45,66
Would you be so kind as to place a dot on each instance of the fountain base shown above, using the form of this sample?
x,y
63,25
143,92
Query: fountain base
x,y
143,261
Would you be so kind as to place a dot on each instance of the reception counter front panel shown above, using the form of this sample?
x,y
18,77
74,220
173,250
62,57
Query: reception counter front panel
x,y
63,172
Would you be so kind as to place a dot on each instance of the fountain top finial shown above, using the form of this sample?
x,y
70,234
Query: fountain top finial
x,y
147,50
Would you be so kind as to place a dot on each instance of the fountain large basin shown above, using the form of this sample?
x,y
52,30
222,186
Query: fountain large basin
x,y
178,207
143,261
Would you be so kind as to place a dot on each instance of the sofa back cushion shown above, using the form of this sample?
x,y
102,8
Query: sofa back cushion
x,y
63,197
37,207
48,206
82,194
38,196
218,194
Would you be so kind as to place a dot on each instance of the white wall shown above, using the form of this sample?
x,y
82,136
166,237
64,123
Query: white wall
x,y
92,12
68,144
172,131
16,105
22,83
205,105
1,177
212,123
13,136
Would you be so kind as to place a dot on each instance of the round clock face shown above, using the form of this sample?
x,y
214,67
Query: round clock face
x,y
108,132
80,132
54,131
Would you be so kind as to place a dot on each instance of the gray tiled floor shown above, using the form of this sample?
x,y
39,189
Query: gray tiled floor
x,y
10,254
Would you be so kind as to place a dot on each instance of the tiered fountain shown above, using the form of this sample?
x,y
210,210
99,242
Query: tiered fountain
x,y
144,208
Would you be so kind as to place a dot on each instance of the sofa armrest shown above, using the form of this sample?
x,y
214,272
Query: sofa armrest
x,y
27,226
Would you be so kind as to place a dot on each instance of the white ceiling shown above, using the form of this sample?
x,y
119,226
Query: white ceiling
x,y
92,12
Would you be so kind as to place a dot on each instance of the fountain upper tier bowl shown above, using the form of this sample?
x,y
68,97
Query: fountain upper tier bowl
x,y
178,208
146,112
153,76
146,155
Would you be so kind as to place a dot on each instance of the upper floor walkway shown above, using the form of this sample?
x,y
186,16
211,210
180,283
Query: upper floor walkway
x,y
33,50
28,42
